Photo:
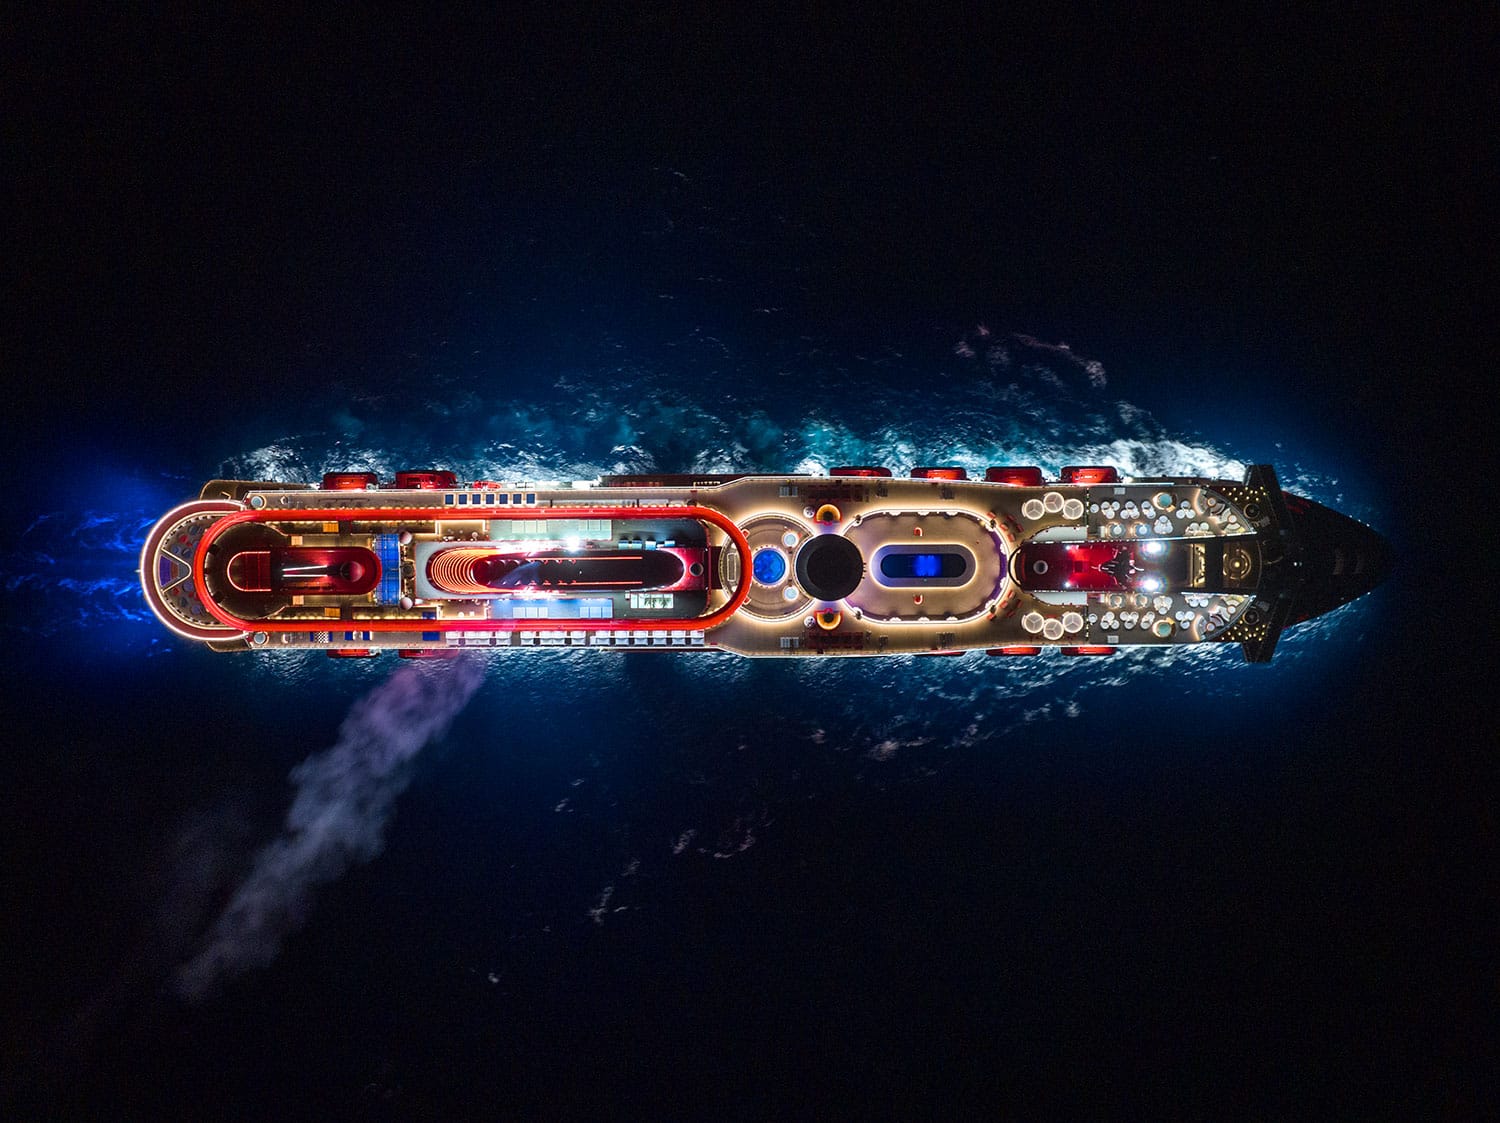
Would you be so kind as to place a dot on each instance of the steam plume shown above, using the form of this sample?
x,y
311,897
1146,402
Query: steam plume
x,y
337,818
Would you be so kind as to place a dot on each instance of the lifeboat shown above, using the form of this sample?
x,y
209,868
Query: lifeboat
x,y
1089,474
424,480
1016,476
350,481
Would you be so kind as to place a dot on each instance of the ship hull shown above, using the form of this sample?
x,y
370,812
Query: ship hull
x,y
854,564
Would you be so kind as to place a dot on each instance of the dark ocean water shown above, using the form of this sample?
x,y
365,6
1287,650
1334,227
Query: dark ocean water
x,y
699,884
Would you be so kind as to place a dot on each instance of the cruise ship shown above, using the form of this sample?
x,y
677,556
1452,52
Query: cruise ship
x,y
859,562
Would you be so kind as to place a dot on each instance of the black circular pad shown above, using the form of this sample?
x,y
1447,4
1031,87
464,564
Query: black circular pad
x,y
829,567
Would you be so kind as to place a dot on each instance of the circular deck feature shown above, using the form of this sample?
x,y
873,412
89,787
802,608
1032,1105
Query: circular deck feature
x,y
777,535
769,566
829,567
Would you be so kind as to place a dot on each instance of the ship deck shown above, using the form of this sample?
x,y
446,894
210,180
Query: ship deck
x,y
933,575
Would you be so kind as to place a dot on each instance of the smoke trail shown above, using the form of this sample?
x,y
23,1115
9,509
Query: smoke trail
x,y
337,818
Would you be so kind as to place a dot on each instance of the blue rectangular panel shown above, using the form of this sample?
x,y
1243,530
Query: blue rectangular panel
x,y
388,550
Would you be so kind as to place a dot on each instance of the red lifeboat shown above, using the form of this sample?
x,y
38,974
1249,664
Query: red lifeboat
x,y
1090,474
939,473
349,481
1017,649
1028,475
868,471
1089,650
351,653
424,480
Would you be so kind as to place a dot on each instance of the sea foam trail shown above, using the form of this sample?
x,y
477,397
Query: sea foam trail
x,y
343,800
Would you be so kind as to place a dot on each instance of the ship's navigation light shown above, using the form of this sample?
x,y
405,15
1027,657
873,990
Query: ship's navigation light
x,y
573,542
1154,548
1151,584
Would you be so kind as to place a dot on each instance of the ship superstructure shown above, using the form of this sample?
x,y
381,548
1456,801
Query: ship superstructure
x,y
856,563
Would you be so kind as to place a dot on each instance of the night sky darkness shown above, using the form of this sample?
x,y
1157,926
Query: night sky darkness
x,y
556,244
